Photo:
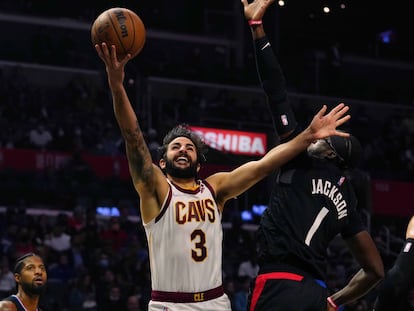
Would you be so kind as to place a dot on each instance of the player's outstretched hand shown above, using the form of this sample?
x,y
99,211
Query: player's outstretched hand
x,y
325,125
114,67
256,9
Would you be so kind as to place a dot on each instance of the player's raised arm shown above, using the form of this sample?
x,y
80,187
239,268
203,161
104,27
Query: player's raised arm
x,y
324,124
149,181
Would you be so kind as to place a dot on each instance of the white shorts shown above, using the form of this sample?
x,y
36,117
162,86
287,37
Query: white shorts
x,y
221,303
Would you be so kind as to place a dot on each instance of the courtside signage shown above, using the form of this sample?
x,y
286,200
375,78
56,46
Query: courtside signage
x,y
237,142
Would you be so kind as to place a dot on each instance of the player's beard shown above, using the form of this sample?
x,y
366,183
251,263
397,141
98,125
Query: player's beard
x,y
32,289
179,172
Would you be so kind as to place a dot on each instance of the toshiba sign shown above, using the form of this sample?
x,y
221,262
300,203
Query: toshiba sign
x,y
237,142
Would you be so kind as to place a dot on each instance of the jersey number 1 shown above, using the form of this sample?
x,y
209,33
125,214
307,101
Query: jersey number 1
x,y
316,223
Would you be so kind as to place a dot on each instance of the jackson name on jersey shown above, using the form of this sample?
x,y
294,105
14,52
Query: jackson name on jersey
x,y
331,191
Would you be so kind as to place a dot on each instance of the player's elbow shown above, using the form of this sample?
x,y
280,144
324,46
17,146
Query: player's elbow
x,y
376,274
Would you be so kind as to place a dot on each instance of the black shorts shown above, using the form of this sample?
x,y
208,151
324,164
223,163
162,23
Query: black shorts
x,y
286,291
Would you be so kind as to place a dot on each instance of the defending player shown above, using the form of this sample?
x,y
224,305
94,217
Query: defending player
x,y
311,203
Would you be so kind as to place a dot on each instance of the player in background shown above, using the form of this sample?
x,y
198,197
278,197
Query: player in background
x,y
31,279
311,203
181,214
399,279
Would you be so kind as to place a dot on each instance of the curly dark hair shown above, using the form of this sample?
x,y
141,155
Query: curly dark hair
x,y
183,130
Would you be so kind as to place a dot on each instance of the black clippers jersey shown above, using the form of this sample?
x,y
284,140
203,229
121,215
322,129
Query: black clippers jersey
x,y
311,202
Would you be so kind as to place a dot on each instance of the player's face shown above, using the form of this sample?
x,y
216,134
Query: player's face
x,y
181,158
33,276
319,149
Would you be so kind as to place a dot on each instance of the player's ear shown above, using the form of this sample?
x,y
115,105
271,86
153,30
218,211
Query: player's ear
x,y
162,163
17,277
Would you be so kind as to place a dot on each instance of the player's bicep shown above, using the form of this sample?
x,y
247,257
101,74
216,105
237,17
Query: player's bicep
x,y
152,192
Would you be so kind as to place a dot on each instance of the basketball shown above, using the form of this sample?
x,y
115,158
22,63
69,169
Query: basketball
x,y
120,27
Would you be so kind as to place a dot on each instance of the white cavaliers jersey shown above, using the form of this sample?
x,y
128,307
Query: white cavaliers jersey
x,y
185,241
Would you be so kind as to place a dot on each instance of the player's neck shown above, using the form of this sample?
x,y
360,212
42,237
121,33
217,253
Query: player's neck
x,y
29,302
185,183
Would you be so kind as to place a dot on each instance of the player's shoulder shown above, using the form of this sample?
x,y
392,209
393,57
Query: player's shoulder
x,y
6,305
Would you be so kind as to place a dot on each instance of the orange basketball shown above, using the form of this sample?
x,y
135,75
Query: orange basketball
x,y
120,27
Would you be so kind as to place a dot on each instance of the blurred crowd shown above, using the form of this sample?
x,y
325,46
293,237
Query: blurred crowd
x,y
101,263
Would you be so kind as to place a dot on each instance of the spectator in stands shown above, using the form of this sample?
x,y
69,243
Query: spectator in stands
x,y
249,266
241,295
113,300
7,282
115,236
134,303
61,270
23,244
153,143
40,137
57,240
76,221
107,284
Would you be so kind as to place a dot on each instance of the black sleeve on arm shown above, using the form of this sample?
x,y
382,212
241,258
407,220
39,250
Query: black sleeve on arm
x,y
398,280
274,84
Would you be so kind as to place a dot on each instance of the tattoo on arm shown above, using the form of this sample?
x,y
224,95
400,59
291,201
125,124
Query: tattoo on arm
x,y
138,154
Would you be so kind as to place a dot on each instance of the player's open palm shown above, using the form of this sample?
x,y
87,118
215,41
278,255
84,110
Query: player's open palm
x,y
256,9
325,125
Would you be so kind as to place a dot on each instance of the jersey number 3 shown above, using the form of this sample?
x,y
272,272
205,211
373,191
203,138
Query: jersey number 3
x,y
199,253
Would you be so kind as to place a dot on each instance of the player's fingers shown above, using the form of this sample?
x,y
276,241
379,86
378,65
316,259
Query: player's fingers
x,y
103,52
244,2
341,121
340,133
126,59
338,108
99,50
113,54
322,111
341,112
